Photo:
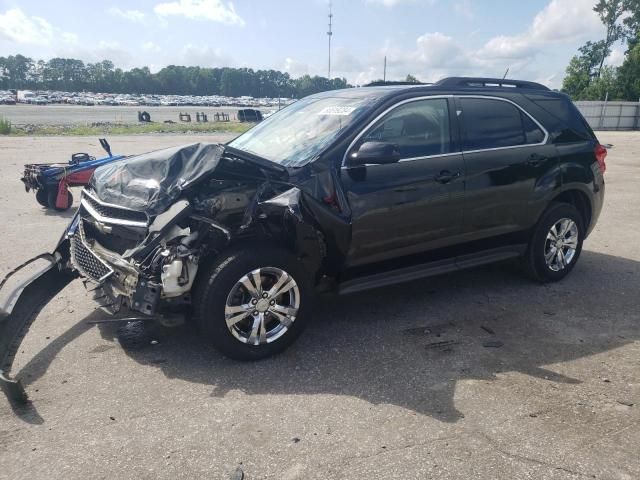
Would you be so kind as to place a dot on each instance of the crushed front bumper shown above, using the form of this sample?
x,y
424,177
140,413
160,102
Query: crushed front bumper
x,y
23,293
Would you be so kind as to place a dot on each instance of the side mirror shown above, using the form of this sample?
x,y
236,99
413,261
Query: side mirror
x,y
378,153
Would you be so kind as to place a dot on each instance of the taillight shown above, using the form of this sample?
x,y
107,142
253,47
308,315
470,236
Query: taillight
x,y
601,154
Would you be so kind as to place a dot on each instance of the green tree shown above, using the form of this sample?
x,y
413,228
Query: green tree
x,y
583,68
632,24
629,75
610,13
71,74
411,79
603,87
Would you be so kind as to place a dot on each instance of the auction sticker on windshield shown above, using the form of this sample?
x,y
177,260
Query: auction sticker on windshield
x,y
336,110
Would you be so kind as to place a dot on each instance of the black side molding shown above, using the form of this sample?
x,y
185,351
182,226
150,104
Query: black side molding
x,y
431,269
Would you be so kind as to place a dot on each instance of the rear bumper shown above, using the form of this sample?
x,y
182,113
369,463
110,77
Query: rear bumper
x,y
597,202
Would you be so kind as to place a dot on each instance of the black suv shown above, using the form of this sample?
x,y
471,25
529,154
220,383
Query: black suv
x,y
341,191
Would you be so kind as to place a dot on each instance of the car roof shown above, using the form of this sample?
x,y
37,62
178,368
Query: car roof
x,y
450,85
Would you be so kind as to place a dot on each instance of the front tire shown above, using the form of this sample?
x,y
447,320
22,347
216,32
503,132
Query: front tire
x,y
253,303
556,244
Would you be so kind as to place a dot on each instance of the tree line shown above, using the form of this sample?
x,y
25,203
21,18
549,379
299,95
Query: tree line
x,y
587,76
69,74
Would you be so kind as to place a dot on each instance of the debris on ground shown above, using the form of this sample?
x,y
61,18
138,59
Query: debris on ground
x,y
493,344
442,344
487,329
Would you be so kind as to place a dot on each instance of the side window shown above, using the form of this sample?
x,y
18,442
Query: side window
x,y
492,123
419,128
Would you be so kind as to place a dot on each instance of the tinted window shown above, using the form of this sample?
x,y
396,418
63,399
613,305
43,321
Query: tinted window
x,y
574,126
532,132
419,128
495,123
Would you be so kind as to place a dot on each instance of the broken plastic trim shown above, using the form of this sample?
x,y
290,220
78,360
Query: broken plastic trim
x,y
7,304
18,308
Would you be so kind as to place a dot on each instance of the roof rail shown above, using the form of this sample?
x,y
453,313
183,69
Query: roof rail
x,y
383,83
478,82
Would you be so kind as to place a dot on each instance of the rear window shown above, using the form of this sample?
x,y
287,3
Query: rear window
x,y
490,123
574,126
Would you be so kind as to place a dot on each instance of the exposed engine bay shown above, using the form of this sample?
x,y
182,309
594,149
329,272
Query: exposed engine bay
x,y
144,226
148,224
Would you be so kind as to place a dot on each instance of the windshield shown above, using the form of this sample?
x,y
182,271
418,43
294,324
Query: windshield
x,y
295,135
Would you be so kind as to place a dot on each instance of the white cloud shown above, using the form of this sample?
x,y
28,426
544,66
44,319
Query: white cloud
x,y
437,50
395,3
616,57
436,54
149,46
295,68
560,21
17,27
343,61
135,16
104,50
390,3
202,56
212,10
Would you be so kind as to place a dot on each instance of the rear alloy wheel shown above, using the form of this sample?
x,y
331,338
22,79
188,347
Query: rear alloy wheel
x,y
556,243
561,244
253,303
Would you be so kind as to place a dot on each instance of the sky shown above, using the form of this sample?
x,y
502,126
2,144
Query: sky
x,y
429,39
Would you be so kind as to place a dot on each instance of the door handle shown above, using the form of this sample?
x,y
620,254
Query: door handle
x,y
536,160
445,176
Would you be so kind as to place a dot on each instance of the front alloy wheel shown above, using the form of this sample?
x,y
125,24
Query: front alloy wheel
x,y
561,244
253,302
262,306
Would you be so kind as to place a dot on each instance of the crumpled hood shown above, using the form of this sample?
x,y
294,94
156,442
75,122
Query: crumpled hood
x,y
151,182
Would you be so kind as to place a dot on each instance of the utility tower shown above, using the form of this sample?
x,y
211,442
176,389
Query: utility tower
x,y
330,34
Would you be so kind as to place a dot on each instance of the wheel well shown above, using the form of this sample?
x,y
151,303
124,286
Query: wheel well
x,y
579,200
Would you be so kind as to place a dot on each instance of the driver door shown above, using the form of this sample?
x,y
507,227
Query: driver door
x,y
412,205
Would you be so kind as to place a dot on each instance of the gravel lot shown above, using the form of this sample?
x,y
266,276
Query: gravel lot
x,y
82,115
366,392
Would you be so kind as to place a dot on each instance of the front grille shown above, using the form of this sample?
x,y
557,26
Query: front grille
x,y
115,213
87,263
118,240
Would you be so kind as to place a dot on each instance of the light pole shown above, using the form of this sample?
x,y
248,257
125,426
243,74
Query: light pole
x,y
330,34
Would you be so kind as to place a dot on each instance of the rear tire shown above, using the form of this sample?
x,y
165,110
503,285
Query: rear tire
x,y
246,322
556,244
42,197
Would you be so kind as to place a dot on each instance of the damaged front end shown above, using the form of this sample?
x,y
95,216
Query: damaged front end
x,y
134,264
147,225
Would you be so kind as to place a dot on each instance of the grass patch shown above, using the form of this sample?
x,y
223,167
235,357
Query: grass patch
x,y
5,126
134,129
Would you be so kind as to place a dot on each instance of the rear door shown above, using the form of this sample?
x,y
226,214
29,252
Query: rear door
x,y
506,154
416,203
